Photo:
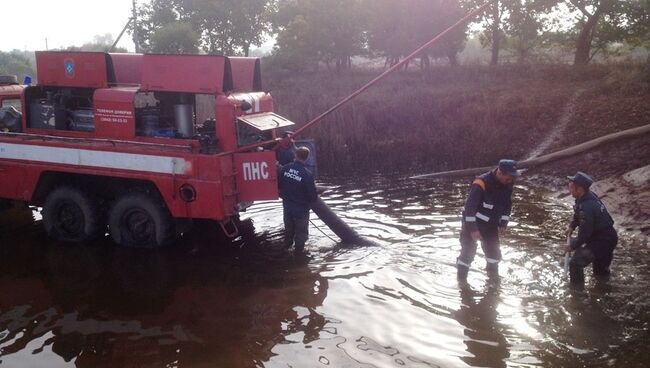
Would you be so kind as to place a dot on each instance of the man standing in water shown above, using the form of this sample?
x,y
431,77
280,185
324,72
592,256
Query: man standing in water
x,y
596,232
298,193
486,215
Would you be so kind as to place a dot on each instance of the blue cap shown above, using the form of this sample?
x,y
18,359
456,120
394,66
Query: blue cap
x,y
581,179
509,167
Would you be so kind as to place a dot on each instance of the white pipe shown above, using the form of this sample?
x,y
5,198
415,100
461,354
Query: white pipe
x,y
567,257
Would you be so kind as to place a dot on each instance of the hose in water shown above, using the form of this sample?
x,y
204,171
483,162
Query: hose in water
x,y
322,232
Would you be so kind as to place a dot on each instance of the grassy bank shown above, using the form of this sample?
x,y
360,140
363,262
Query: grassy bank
x,y
457,117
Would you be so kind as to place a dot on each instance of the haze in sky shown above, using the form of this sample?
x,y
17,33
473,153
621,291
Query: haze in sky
x,y
27,23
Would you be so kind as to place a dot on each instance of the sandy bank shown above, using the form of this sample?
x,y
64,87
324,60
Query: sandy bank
x,y
627,198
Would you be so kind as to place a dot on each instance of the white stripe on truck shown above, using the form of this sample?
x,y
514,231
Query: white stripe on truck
x,y
90,158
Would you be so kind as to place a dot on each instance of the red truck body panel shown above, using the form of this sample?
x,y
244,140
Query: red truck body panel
x,y
206,74
114,113
246,74
73,69
128,68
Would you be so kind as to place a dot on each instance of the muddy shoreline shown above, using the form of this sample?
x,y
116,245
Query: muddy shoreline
x,y
621,172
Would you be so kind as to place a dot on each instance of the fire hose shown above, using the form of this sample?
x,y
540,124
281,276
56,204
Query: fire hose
x,y
346,233
374,81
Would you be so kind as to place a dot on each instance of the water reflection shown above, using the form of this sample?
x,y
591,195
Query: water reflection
x,y
101,305
208,302
479,315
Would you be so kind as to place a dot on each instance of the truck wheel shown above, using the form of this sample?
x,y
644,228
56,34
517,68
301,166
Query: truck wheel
x,y
138,220
71,215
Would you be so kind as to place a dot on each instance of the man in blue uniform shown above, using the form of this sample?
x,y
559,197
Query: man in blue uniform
x,y
298,193
596,238
486,214
285,150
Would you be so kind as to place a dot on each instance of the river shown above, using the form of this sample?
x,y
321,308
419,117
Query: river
x,y
208,302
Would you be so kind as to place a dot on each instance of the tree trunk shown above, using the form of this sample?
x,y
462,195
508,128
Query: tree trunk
x,y
425,64
496,33
586,35
583,43
453,58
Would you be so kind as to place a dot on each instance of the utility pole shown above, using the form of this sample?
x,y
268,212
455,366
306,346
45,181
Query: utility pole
x,y
135,28
46,44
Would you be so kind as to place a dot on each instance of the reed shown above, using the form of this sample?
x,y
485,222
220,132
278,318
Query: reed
x,y
453,117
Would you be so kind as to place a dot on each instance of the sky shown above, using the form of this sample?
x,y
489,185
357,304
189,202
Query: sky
x,y
63,22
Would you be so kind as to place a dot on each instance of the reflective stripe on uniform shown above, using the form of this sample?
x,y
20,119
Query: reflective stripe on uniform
x,y
470,219
488,206
492,260
505,218
479,182
481,216
461,263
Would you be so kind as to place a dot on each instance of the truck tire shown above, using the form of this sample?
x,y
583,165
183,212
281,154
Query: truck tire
x,y
71,215
139,220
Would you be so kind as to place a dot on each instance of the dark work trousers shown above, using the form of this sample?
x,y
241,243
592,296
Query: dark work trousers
x,y
490,244
296,230
599,251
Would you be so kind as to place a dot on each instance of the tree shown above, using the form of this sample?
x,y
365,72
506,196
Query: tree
x,y
151,17
330,31
223,26
638,20
397,29
493,33
525,25
175,38
386,32
431,17
16,63
99,43
295,50
251,21
591,12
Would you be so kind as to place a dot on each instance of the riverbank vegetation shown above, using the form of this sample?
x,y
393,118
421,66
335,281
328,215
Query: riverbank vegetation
x,y
457,117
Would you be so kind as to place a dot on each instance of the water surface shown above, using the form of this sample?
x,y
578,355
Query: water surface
x,y
207,302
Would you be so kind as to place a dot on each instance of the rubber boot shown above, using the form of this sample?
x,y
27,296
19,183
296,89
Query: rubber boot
x,y
576,274
462,271
299,248
492,269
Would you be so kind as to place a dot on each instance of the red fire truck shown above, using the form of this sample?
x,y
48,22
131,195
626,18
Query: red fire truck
x,y
137,145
